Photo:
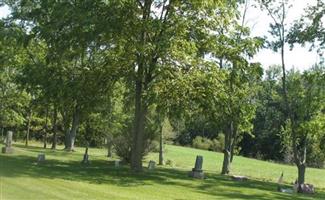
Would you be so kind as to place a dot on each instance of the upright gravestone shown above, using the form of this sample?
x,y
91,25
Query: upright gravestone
x,y
197,171
117,163
151,165
40,158
8,148
86,157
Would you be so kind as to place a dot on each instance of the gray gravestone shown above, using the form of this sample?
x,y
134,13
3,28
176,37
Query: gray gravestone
x,y
8,148
151,165
197,171
117,163
40,158
198,164
86,157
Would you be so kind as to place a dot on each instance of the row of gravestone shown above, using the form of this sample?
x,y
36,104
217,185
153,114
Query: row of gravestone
x,y
7,149
85,160
196,172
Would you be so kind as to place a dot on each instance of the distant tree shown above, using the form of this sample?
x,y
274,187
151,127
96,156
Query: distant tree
x,y
310,28
269,120
13,101
278,10
306,99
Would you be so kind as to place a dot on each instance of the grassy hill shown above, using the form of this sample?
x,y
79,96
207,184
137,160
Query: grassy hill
x,y
63,177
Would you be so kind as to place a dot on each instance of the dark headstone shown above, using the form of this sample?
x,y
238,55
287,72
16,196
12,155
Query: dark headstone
x,y
151,165
8,148
198,164
86,157
197,171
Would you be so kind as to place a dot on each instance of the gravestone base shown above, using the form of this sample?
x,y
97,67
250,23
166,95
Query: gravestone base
x,y
306,189
239,178
196,174
85,161
7,150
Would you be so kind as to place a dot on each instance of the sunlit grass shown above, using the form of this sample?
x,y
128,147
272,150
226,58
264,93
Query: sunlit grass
x,y
63,177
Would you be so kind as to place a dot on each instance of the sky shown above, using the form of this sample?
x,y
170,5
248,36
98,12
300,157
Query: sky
x,y
299,58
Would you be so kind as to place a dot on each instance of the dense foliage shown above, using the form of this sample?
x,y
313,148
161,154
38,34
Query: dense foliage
x,y
132,76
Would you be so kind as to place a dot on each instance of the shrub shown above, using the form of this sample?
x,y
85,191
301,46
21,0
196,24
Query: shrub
x,y
170,163
122,146
202,143
221,139
207,144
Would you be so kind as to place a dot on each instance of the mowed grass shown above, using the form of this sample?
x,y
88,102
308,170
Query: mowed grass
x,y
63,177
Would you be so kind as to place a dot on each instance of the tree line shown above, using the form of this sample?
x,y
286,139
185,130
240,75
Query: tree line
x,y
133,75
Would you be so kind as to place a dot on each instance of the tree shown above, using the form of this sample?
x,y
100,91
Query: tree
x,y
164,35
75,66
269,120
278,12
239,84
306,99
13,101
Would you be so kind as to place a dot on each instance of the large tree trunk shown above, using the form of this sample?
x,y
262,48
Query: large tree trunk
x,y
46,128
226,162
301,173
233,145
109,145
55,128
227,150
66,124
28,126
300,160
2,136
67,139
74,127
139,127
141,107
161,148
45,139
299,157
109,151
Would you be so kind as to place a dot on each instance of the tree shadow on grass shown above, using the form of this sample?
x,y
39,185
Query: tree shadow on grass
x,y
34,149
104,172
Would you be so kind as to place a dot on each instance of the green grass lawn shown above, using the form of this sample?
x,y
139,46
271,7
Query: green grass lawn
x,y
63,177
